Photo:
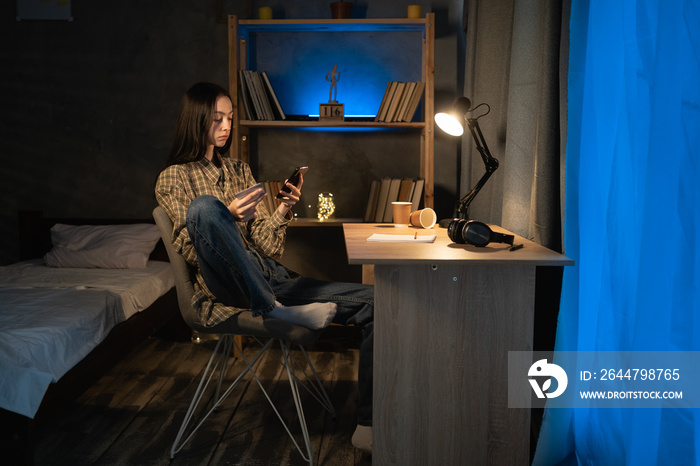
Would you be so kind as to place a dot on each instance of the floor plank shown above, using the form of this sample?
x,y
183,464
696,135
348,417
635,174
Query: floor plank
x,y
132,414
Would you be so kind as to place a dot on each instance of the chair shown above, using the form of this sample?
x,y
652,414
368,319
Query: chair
x,y
272,330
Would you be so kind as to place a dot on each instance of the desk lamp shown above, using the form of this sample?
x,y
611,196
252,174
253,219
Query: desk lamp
x,y
450,122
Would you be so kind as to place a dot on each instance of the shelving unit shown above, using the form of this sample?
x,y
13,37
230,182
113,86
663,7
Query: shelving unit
x,y
239,37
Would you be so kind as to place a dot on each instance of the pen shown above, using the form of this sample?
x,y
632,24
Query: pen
x,y
515,246
415,236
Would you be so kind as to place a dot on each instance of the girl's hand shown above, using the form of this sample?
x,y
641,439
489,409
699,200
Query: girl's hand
x,y
244,209
289,199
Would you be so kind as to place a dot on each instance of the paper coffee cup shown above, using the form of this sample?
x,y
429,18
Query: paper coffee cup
x,y
401,212
424,218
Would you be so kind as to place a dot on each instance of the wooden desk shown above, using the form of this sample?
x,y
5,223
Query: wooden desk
x,y
446,316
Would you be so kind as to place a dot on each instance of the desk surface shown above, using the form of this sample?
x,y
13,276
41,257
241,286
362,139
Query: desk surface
x,y
361,251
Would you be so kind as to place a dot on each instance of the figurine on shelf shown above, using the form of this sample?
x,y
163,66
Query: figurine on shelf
x,y
332,111
333,76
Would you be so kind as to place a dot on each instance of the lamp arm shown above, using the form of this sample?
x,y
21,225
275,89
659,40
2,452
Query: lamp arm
x,y
490,163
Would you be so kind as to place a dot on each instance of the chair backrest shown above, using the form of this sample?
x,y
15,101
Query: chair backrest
x,y
243,323
183,275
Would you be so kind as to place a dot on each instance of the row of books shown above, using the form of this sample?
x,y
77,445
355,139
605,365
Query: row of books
x,y
387,190
258,97
400,101
260,102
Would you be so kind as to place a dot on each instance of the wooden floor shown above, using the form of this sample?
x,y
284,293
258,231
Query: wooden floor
x,y
132,414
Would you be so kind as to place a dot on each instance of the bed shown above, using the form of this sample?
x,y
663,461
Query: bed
x,y
85,293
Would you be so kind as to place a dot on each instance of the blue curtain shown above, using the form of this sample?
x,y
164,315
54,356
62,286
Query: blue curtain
x,y
632,219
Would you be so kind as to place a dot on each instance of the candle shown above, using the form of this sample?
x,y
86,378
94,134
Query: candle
x,y
414,11
265,12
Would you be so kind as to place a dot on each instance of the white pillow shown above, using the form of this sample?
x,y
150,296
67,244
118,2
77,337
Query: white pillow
x,y
102,246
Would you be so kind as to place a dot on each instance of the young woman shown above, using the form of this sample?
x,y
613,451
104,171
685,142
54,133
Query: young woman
x,y
233,243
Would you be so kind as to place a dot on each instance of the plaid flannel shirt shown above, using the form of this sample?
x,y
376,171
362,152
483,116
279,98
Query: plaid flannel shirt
x,y
178,185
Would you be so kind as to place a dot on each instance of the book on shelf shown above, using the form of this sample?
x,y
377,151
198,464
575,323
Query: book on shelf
x,y
392,196
258,96
417,194
382,107
400,101
257,111
260,90
406,190
382,197
386,101
414,100
246,98
401,109
395,102
371,209
387,190
275,103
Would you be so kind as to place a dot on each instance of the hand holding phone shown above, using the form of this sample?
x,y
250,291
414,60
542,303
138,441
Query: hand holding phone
x,y
293,179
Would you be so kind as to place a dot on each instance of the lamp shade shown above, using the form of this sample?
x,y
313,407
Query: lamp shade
x,y
451,122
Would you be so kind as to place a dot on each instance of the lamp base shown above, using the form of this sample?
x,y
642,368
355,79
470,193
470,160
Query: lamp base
x,y
458,215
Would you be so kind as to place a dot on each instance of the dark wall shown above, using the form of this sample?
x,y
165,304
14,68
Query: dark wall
x,y
87,107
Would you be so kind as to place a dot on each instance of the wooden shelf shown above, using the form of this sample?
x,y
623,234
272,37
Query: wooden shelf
x,y
325,25
239,41
330,124
314,222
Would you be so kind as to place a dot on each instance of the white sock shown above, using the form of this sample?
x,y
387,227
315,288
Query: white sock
x,y
362,438
314,316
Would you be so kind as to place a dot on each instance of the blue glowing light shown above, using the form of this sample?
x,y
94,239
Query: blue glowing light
x,y
297,64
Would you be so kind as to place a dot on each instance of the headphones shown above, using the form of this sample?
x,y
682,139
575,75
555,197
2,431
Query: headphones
x,y
475,233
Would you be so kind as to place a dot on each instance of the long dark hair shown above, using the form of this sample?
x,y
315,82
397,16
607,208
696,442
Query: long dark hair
x,y
193,123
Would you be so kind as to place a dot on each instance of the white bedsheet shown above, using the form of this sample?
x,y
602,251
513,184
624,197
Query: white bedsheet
x,y
51,318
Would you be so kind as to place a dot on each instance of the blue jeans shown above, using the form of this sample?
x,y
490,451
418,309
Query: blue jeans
x,y
242,277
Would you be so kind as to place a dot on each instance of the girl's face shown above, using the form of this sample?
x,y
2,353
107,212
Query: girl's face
x,y
221,126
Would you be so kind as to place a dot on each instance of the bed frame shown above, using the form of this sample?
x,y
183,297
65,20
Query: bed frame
x,y
17,432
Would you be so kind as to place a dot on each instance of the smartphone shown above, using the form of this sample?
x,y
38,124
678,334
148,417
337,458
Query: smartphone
x,y
247,191
293,179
